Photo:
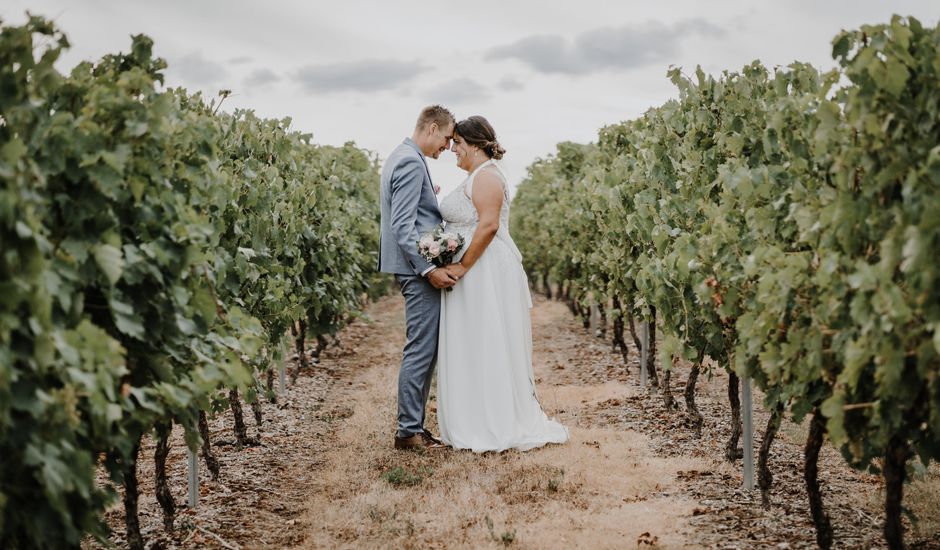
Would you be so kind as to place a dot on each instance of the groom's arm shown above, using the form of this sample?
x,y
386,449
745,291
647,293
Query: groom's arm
x,y
406,184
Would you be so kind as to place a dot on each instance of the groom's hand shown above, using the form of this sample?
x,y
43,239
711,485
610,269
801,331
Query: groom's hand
x,y
441,278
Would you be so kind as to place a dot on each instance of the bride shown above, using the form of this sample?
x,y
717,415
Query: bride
x,y
485,388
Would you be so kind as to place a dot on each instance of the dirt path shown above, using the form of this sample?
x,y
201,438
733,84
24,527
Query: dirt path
x,y
604,489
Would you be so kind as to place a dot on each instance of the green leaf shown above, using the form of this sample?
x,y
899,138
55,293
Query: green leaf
x,y
896,75
840,45
110,260
126,319
22,230
831,408
13,150
185,325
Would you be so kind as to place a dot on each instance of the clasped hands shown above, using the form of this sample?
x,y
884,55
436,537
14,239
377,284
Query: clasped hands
x,y
447,276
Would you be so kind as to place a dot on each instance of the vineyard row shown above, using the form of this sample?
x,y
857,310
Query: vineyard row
x,y
156,253
783,223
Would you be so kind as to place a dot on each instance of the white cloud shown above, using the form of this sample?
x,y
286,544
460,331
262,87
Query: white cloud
x,y
194,69
510,84
365,76
261,77
604,48
458,91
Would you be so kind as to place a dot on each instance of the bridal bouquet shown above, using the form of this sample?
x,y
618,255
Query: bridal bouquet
x,y
440,247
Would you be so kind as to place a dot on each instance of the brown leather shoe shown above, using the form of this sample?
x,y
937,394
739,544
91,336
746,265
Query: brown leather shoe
x,y
418,441
432,438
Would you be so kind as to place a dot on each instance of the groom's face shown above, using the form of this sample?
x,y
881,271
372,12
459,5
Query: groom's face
x,y
440,138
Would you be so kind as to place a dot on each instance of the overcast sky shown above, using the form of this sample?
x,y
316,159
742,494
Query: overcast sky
x,y
541,72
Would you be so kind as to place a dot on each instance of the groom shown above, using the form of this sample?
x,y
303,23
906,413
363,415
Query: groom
x,y
409,209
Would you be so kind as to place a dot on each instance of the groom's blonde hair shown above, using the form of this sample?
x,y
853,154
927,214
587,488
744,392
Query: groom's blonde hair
x,y
435,114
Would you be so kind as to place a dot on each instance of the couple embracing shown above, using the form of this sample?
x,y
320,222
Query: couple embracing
x,y
478,333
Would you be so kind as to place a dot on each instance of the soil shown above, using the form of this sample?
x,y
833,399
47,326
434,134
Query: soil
x,y
632,475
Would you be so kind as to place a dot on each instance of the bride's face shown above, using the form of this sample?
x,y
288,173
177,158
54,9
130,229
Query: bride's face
x,y
465,153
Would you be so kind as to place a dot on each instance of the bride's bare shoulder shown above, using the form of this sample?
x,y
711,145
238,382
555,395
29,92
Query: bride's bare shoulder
x,y
488,177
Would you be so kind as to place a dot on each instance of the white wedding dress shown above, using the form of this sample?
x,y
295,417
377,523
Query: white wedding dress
x,y
486,399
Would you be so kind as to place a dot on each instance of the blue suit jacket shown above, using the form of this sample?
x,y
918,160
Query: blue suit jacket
x,y
409,209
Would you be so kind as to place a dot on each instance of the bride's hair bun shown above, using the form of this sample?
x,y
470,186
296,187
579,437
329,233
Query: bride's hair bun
x,y
477,131
494,150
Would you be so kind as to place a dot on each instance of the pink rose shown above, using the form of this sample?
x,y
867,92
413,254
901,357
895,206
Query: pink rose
x,y
434,250
451,245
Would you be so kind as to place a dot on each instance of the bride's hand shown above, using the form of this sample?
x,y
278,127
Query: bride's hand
x,y
457,270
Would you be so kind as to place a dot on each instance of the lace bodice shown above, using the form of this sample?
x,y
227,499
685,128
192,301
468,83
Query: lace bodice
x,y
457,207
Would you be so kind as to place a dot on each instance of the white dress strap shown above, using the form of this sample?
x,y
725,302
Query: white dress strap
x,y
468,188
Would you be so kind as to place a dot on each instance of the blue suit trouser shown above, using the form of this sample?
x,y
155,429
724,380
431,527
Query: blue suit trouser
x,y
422,318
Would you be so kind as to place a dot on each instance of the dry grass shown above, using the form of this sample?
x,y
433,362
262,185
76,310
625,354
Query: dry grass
x,y
922,496
921,499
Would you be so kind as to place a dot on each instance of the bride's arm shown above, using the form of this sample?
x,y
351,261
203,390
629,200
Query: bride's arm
x,y
488,200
